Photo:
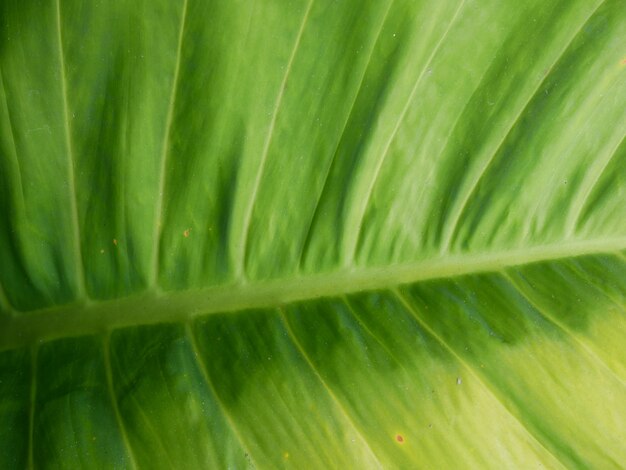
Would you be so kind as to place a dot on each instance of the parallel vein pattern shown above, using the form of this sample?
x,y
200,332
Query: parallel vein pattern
x,y
192,341
531,434
591,181
453,221
345,128
368,192
372,455
158,212
589,351
78,256
268,139
312,234
405,346
106,348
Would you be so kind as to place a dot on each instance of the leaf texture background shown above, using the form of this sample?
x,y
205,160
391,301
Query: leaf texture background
x,y
312,234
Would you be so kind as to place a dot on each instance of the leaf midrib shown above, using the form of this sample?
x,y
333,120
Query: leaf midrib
x,y
96,316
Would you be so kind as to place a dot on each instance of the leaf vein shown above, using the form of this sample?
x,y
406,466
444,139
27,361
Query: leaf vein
x,y
476,375
562,327
207,379
80,269
339,140
18,173
351,249
106,349
158,212
372,334
153,308
454,222
330,392
589,185
247,217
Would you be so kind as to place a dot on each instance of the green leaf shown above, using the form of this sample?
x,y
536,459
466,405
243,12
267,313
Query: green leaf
x,y
312,234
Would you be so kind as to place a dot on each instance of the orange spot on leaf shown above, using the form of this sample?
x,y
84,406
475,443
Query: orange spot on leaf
x,y
115,241
186,233
399,438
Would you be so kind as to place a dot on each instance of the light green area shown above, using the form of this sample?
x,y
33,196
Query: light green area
x,y
312,234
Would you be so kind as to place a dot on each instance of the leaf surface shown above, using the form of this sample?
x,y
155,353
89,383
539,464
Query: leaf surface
x,y
312,234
